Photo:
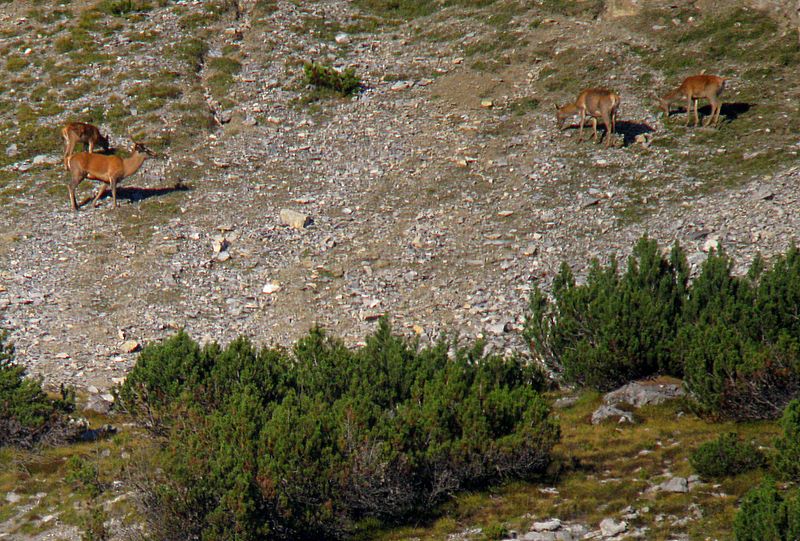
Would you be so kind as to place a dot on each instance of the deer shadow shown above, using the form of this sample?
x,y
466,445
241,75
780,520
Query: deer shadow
x,y
629,130
730,111
135,194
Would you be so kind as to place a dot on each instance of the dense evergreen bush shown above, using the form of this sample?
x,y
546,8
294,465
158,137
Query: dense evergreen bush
x,y
27,415
614,328
786,462
766,515
726,456
309,443
739,341
734,340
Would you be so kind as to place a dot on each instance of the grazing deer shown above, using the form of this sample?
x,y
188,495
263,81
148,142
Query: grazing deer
x,y
75,132
693,89
109,170
597,103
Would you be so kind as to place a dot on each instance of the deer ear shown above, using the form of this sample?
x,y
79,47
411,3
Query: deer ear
x,y
556,106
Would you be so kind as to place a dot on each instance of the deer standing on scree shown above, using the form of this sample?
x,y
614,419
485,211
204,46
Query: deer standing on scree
x,y
79,132
109,170
597,103
693,89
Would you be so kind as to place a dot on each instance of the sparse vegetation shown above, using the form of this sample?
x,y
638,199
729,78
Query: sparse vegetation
x,y
327,78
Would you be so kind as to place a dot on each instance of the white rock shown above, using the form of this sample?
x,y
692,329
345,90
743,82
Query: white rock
x,y
676,484
608,412
547,525
294,219
712,243
610,527
130,346
342,38
270,288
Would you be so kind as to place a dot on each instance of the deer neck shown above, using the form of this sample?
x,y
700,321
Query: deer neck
x,y
132,164
569,109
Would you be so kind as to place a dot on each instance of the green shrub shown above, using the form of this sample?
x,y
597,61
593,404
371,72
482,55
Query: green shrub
x,y
83,475
766,515
309,443
27,415
786,462
614,328
726,456
734,339
739,340
120,8
323,77
16,63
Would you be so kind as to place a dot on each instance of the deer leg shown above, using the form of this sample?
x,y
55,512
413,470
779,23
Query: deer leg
x,y
70,145
594,129
71,186
91,147
580,131
100,193
718,111
688,111
114,191
608,123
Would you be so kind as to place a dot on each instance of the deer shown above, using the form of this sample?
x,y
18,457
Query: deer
x,y
596,103
693,89
110,170
75,132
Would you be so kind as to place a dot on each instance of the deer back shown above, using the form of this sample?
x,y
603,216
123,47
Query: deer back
x,y
96,166
702,86
598,101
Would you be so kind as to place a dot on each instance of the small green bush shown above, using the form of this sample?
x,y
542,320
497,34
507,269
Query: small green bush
x,y
16,63
192,51
766,515
120,8
726,456
83,475
323,77
786,462
27,415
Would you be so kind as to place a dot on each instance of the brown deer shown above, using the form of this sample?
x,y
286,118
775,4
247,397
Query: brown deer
x,y
596,103
75,132
693,89
109,170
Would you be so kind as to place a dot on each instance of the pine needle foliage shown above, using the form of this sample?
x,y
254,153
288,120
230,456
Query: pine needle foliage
x,y
313,442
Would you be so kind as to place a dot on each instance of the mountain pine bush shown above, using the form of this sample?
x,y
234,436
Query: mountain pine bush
x,y
616,327
734,339
27,415
311,442
726,456
786,462
766,515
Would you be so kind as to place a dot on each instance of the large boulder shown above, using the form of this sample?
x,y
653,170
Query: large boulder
x,y
642,393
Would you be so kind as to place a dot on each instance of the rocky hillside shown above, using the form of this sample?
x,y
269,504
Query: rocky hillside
x,y
436,195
